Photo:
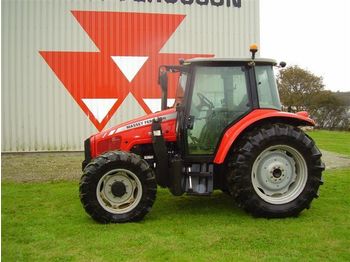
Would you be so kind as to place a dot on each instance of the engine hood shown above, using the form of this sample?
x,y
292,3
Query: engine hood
x,y
139,122
134,132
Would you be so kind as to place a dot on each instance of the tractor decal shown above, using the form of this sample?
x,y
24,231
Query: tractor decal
x,y
142,123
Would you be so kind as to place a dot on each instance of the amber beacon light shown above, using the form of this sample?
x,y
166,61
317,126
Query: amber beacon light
x,y
253,49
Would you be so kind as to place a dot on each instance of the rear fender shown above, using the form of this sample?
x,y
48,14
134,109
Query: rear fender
x,y
255,119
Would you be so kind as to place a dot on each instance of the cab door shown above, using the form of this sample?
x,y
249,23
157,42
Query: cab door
x,y
220,96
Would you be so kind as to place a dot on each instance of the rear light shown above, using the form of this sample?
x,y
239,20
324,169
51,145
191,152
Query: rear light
x,y
109,144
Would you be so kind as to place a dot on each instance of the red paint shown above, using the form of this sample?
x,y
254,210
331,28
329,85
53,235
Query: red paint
x,y
135,136
142,134
302,113
95,75
259,114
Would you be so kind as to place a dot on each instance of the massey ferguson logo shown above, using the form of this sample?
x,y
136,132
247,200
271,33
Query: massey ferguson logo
x,y
127,62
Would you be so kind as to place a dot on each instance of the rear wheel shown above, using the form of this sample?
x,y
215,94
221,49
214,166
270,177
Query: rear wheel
x,y
118,187
276,171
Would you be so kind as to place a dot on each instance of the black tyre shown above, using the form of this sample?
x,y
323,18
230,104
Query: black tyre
x,y
118,187
276,171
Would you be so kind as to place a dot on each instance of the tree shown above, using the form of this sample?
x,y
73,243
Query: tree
x,y
329,111
301,90
298,87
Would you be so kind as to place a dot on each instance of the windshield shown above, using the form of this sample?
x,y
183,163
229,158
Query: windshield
x,y
267,88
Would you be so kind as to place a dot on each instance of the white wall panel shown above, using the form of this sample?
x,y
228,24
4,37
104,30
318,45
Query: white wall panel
x,y
38,113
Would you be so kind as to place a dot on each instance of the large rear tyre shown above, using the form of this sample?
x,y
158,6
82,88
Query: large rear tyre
x,y
118,187
276,171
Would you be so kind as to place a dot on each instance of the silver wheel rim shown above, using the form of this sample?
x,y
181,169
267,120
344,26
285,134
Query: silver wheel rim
x,y
279,174
119,204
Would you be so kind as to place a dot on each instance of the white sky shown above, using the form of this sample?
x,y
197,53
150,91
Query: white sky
x,y
313,34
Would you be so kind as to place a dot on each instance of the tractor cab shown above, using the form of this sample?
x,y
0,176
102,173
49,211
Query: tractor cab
x,y
213,94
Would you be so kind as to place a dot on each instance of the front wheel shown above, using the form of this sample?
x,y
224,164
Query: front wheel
x,y
276,171
118,187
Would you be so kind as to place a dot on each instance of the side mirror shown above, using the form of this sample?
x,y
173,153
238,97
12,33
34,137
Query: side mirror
x,y
163,81
282,64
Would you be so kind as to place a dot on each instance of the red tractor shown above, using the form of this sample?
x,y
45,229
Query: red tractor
x,y
225,131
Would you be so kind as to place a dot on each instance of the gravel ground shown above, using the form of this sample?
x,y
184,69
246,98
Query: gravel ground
x,y
335,160
40,167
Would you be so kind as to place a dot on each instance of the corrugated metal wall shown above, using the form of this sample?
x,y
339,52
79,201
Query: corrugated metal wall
x,y
38,111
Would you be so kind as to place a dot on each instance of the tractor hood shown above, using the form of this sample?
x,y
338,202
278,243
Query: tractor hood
x,y
137,131
140,122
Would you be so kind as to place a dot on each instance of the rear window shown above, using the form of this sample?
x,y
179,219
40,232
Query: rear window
x,y
267,88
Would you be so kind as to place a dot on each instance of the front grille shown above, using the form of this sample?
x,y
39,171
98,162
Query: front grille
x,y
108,145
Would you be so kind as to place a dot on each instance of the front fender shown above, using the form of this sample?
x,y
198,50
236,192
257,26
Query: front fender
x,y
256,118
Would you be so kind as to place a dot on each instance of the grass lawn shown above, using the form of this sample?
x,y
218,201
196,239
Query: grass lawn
x,y
333,141
45,222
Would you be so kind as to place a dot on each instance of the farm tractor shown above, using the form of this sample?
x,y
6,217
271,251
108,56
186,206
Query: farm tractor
x,y
225,131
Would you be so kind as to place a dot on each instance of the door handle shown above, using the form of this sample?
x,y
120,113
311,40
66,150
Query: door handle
x,y
190,122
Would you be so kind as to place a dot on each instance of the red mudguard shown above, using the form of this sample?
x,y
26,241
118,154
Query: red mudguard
x,y
260,114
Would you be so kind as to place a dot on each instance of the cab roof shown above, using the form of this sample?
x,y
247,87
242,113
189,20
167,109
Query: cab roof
x,y
216,60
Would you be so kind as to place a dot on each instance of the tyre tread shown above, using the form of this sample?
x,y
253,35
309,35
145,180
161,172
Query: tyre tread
x,y
96,168
239,178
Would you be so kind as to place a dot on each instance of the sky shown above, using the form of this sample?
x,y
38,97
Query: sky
x,y
313,34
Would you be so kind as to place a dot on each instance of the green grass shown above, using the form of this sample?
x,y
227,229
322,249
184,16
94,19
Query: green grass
x,y
46,222
333,141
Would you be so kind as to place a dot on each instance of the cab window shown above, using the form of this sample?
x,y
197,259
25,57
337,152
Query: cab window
x,y
220,96
267,88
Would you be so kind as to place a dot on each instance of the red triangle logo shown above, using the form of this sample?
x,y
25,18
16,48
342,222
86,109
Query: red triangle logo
x,y
128,61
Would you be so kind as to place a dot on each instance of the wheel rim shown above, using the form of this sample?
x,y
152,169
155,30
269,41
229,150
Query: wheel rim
x,y
279,174
119,191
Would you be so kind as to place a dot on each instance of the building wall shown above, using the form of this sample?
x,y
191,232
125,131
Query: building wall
x,y
60,82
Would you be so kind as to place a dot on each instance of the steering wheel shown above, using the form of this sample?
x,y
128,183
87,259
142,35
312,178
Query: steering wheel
x,y
204,101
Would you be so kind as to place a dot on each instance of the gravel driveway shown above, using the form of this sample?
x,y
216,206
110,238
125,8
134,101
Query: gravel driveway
x,y
334,160
39,167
